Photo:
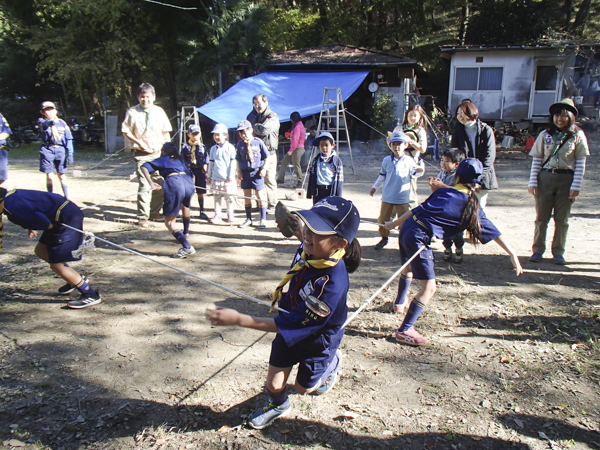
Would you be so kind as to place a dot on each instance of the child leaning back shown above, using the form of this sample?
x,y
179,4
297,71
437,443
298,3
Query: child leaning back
x,y
446,212
310,332
395,175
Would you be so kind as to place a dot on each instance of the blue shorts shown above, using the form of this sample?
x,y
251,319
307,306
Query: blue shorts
x,y
412,237
248,182
51,158
178,190
199,180
3,164
60,240
311,366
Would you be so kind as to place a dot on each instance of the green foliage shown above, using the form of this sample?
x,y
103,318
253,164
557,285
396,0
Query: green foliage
x,y
291,28
382,117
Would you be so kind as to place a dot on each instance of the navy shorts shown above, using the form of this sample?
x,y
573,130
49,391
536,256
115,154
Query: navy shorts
x,y
53,158
257,183
199,180
178,190
412,237
3,164
311,365
60,240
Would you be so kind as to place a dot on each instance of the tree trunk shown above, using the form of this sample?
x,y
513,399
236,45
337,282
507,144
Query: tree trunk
x,y
464,22
582,16
568,10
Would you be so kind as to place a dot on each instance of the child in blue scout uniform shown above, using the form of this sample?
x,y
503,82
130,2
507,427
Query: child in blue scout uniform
x,y
178,189
195,156
56,150
310,333
35,210
4,134
326,171
221,172
251,156
449,162
395,176
445,213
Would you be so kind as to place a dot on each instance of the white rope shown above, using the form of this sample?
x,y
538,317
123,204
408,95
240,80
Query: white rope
x,y
172,6
386,284
87,233
88,242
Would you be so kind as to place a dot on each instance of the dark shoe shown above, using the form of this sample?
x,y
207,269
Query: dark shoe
x,y
382,243
84,301
203,216
447,254
560,260
459,256
331,379
536,257
67,288
263,417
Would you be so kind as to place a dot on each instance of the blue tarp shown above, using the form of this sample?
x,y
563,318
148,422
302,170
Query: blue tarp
x,y
287,92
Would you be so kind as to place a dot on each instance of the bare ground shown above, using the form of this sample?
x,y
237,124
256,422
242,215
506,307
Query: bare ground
x,y
512,362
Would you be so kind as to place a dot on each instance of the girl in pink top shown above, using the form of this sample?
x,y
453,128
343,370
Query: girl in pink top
x,y
296,150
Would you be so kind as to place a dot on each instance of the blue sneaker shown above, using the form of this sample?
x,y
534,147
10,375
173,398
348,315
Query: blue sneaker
x,y
536,257
263,417
560,260
329,383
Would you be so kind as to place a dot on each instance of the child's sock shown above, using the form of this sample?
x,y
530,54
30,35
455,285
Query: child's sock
x,y
186,225
65,191
280,397
218,208
414,311
403,286
263,213
85,288
249,212
201,202
49,186
181,238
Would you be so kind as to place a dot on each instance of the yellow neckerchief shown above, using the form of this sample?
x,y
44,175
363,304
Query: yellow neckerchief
x,y
1,214
464,189
192,152
314,263
55,134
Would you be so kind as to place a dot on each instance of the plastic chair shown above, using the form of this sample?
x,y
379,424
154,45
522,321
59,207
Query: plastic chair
x,y
434,150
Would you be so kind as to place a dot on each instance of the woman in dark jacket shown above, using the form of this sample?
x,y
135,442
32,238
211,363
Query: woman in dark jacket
x,y
476,140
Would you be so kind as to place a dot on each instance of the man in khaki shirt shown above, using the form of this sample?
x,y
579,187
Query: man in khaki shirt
x,y
148,128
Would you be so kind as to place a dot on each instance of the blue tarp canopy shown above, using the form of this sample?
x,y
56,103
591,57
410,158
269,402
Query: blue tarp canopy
x,y
287,92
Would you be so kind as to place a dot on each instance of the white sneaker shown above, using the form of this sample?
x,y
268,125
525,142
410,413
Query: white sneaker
x,y
184,252
245,224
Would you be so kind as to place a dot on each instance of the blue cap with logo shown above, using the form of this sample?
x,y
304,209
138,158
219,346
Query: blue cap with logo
x,y
244,125
331,216
323,134
470,170
193,129
399,136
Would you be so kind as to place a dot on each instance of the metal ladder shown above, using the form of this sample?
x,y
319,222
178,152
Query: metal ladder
x,y
335,121
189,116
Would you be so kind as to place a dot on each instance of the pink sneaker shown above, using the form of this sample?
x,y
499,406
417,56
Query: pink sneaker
x,y
216,219
410,337
230,218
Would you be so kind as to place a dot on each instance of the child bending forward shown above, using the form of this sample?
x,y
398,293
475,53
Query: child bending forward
x,y
310,333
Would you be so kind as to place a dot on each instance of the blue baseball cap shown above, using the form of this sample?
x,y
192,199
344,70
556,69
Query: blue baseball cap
x,y
220,128
244,125
470,170
193,129
323,134
331,216
399,136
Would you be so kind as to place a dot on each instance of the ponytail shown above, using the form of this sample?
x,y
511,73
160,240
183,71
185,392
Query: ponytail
x,y
470,217
353,256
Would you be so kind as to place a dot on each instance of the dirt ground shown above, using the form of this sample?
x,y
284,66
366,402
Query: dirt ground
x,y
512,362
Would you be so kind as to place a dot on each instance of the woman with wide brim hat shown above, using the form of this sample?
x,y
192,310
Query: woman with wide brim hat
x,y
559,155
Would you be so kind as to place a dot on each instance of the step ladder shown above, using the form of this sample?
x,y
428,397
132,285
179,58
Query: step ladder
x,y
189,116
333,119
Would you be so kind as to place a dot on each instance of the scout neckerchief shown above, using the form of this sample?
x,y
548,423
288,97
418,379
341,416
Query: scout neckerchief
x,y
1,214
148,121
311,263
193,152
557,146
55,133
464,189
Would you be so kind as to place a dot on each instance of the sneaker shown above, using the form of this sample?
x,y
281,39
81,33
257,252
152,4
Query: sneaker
x,y
187,235
271,210
203,216
143,223
382,243
410,337
67,288
262,224
230,218
447,254
245,224
263,417
560,260
329,383
84,301
184,252
216,219
536,257
459,255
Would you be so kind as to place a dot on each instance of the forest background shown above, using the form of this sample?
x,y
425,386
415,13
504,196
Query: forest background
x,y
77,51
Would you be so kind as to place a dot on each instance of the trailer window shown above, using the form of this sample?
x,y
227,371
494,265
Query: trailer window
x,y
478,79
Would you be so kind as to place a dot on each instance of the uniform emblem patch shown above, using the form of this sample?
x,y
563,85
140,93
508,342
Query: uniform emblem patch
x,y
317,306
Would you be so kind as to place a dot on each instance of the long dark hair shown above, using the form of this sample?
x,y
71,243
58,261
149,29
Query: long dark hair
x,y
420,110
470,217
295,118
353,255
571,129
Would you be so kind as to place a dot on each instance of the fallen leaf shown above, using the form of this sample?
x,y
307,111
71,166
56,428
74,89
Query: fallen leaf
x,y
224,429
285,431
14,443
476,438
388,433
